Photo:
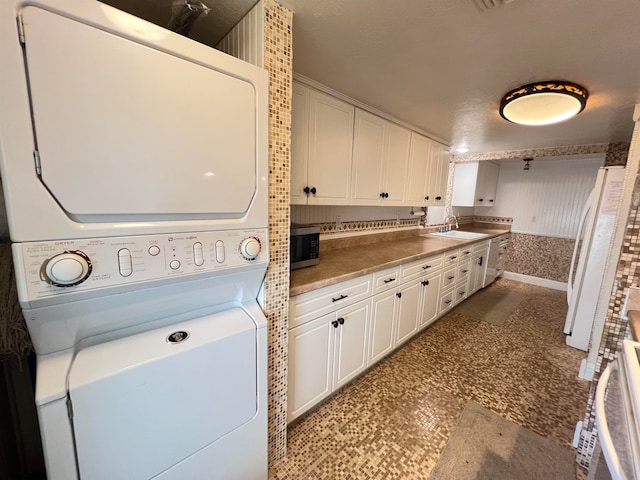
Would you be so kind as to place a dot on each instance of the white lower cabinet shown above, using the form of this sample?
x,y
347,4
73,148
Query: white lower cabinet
x,y
339,331
408,311
383,325
326,353
431,285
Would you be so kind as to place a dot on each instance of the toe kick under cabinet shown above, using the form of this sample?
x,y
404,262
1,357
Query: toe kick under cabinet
x,y
337,332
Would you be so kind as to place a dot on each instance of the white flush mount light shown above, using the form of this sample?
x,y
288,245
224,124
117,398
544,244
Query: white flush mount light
x,y
543,103
462,149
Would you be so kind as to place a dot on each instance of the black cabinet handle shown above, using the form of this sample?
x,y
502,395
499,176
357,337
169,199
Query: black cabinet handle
x,y
480,260
425,283
341,321
385,195
335,324
306,190
426,266
313,190
480,199
467,252
453,257
427,197
399,294
438,198
382,195
491,201
389,280
451,278
447,302
462,293
339,298
465,271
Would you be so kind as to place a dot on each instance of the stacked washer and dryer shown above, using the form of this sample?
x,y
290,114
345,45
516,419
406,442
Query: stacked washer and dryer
x,y
134,168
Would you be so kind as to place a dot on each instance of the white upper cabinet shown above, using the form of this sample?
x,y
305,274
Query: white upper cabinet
x,y
475,184
380,161
325,154
438,175
419,163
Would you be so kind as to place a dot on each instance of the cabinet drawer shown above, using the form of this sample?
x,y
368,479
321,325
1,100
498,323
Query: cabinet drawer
x,y
310,305
447,300
449,277
386,279
462,292
465,254
462,273
480,246
418,268
451,258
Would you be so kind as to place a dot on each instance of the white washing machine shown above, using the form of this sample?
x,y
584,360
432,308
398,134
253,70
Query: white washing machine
x,y
134,168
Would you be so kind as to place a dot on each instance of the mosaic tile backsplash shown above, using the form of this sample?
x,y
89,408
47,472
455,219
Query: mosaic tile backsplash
x,y
540,256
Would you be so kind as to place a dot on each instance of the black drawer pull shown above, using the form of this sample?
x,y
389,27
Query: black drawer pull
x,y
313,190
399,294
426,266
450,278
438,198
480,261
339,298
306,190
341,321
389,280
447,302
467,252
465,271
425,283
453,257
462,293
335,324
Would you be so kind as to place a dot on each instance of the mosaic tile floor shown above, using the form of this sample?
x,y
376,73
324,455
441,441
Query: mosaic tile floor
x,y
394,421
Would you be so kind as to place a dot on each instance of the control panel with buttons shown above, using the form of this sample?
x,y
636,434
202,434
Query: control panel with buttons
x,y
58,267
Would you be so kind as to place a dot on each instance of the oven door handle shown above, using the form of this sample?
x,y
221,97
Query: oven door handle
x,y
604,435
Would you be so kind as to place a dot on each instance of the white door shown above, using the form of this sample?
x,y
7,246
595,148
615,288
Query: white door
x,y
368,158
352,336
419,160
310,364
409,304
383,322
299,143
330,149
397,146
430,298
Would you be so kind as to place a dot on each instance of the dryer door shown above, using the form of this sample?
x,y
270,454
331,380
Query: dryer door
x,y
141,404
126,131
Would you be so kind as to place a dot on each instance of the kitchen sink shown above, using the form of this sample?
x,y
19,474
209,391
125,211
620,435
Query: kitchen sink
x,y
460,235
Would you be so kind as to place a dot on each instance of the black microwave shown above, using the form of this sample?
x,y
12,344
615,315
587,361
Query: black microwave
x,y
305,246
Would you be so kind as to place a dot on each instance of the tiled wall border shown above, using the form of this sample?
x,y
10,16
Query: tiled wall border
x,y
535,153
278,62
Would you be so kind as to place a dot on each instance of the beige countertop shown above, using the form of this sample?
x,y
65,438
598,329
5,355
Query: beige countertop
x,y
344,264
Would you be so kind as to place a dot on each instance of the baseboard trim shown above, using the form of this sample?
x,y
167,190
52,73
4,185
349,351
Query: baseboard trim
x,y
541,282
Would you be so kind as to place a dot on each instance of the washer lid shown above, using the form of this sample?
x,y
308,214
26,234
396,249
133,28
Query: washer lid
x,y
143,403
126,130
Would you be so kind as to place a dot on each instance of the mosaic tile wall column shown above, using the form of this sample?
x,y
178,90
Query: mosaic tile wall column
x,y
627,274
278,62
540,256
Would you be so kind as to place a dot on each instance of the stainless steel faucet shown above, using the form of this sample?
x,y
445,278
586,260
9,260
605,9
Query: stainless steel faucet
x,y
446,226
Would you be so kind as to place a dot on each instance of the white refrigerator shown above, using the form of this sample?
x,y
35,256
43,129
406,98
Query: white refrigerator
x,y
591,281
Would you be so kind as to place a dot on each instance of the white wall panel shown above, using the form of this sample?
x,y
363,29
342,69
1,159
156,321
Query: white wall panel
x,y
545,200
246,40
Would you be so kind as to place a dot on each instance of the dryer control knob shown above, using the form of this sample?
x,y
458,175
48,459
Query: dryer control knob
x,y
67,269
250,248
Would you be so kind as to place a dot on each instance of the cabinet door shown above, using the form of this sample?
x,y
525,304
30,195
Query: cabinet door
x,y
491,182
408,310
464,184
299,143
330,149
368,158
352,337
310,364
397,147
430,298
383,322
419,160
438,176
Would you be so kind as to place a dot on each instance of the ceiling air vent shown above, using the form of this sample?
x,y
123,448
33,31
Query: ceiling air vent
x,y
484,5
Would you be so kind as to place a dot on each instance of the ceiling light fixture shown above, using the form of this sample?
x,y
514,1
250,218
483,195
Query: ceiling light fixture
x,y
526,163
462,150
543,103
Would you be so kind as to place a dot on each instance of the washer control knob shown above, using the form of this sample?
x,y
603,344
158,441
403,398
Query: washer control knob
x,y
67,269
250,248
154,250
174,264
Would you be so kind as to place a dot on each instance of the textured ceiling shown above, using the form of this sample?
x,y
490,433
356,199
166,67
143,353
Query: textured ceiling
x,y
444,65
